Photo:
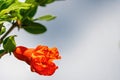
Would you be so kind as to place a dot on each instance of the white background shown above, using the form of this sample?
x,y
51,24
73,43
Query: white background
x,y
87,33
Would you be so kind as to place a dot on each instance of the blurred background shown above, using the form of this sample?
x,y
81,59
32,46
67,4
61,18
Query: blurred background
x,y
87,34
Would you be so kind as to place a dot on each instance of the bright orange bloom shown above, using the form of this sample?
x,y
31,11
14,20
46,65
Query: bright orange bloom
x,y
40,59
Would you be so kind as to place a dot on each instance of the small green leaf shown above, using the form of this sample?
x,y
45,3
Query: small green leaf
x,y
2,53
44,2
9,44
34,28
2,30
46,18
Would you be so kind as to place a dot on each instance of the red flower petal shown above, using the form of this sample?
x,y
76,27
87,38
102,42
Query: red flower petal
x,y
28,53
42,66
18,52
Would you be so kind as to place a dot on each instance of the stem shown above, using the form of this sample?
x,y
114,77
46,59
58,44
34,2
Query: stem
x,y
3,54
9,30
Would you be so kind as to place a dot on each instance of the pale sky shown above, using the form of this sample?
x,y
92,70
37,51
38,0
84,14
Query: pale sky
x,y
87,34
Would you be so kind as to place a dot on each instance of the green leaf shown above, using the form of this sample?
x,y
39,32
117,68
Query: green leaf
x,y
50,1
9,44
2,30
14,10
29,12
44,2
30,1
33,11
16,6
40,2
2,53
46,18
34,28
5,4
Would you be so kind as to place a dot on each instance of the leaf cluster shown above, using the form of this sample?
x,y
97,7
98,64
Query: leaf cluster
x,y
21,15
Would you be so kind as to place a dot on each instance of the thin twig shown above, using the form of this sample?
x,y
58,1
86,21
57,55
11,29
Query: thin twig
x,y
9,30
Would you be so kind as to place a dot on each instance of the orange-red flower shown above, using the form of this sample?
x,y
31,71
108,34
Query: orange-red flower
x,y
40,59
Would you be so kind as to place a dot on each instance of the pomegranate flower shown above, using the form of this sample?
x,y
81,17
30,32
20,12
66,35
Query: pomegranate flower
x,y
40,59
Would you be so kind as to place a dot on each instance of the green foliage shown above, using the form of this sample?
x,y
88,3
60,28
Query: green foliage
x,y
2,29
13,11
44,2
9,44
21,15
40,2
5,4
35,28
46,18
30,12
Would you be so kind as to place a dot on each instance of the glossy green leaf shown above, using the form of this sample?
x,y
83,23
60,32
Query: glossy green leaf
x,y
9,44
34,28
46,18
